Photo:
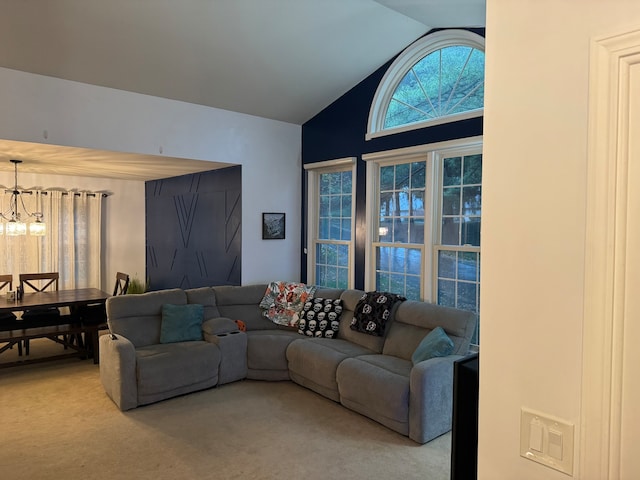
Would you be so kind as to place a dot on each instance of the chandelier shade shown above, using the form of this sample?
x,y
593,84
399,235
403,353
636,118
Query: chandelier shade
x,y
14,225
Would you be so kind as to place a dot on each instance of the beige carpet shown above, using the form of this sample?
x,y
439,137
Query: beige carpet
x,y
58,423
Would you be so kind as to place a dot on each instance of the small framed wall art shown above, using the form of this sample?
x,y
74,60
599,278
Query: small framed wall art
x,y
273,226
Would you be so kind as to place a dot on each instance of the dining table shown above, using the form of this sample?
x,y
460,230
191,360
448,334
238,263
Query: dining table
x,y
64,326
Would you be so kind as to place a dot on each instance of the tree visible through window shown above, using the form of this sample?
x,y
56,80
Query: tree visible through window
x,y
440,78
445,82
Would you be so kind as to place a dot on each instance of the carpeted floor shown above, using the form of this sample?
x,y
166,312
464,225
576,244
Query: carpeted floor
x,y
57,423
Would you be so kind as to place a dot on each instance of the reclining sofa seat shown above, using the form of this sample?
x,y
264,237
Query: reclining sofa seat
x,y
414,400
135,368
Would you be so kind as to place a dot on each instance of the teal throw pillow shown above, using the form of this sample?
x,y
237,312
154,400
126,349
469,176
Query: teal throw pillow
x,y
181,323
435,344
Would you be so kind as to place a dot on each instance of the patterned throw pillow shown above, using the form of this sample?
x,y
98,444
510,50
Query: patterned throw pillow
x,y
283,302
320,317
373,311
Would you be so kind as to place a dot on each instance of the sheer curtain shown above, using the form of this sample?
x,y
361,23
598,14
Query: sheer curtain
x,y
71,245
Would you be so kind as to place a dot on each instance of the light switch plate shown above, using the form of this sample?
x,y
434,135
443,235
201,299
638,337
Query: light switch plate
x,y
556,450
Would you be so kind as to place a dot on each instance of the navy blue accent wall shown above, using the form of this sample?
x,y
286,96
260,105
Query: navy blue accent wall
x,y
194,229
339,131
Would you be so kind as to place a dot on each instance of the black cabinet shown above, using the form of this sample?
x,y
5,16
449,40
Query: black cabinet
x,y
464,430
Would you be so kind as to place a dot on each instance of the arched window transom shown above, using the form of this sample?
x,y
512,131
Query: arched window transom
x,y
438,79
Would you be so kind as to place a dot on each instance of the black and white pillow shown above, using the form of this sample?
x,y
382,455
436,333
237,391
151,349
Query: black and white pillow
x,y
320,317
373,311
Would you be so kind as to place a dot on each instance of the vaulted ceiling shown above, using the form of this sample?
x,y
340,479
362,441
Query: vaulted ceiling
x,y
279,59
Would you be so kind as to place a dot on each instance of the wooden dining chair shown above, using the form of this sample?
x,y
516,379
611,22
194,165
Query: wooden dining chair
x,y
39,317
122,284
94,317
8,319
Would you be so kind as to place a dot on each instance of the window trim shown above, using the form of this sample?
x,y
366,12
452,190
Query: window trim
x,y
313,210
406,60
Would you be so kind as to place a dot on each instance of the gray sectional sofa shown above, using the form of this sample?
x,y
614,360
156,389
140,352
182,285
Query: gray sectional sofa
x,y
374,376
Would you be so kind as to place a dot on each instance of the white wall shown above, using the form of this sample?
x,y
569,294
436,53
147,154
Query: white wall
x,y
123,250
534,186
80,115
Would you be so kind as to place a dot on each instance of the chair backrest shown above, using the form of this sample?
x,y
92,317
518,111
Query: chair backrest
x,y
6,280
122,284
39,282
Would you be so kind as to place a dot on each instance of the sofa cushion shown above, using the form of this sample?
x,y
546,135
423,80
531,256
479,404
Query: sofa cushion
x,y
241,303
204,296
414,319
377,386
266,353
435,344
283,302
320,317
139,317
313,363
173,366
181,323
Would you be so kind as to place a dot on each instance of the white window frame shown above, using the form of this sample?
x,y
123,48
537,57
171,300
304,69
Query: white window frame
x,y
314,170
401,65
433,154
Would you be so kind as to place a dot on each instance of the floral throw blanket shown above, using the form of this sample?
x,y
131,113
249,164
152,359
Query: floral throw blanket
x,y
283,302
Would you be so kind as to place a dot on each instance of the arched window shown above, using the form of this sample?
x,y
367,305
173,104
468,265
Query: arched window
x,y
438,79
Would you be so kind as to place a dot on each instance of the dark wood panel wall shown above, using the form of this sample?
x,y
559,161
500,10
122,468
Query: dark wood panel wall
x,y
194,229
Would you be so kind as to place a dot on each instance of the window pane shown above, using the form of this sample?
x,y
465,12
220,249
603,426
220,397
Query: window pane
x,y
451,201
446,293
386,178
417,203
334,227
383,258
473,169
323,227
400,230
450,231
413,290
466,296
324,206
418,170
385,231
397,260
321,275
336,183
402,176
343,255
417,231
324,184
343,278
335,207
346,229
346,183
472,200
414,261
468,266
471,231
446,264
452,171
382,281
346,206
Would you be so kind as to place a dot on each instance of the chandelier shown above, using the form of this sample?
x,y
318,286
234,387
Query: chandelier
x,y
14,225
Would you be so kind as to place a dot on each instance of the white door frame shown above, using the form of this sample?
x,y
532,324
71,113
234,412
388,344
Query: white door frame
x,y
606,283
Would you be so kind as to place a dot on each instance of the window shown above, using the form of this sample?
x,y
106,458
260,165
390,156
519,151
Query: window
x,y
331,219
425,210
438,79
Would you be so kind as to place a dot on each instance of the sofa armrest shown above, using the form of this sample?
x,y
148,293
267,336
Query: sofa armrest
x,y
216,326
431,398
118,370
